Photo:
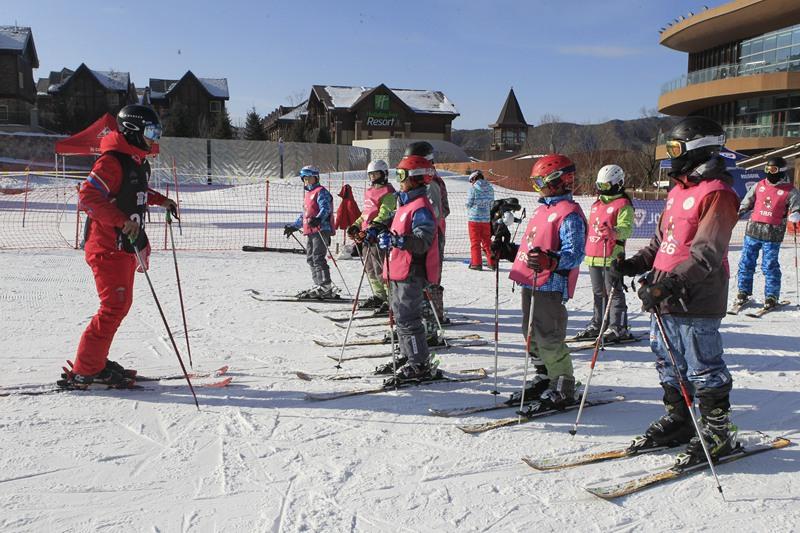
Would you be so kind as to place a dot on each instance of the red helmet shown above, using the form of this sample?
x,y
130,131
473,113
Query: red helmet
x,y
417,168
552,169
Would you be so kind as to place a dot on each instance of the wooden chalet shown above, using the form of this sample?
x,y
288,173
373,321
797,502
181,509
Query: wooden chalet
x,y
199,100
18,58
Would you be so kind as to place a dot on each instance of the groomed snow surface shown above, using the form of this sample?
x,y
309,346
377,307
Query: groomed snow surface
x,y
260,457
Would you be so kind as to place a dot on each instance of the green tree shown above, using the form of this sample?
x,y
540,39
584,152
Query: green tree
x,y
253,128
179,123
223,129
323,136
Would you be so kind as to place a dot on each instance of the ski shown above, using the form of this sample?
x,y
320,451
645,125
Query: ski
x,y
457,343
611,490
464,411
381,340
319,397
764,310
257,295
221,371
590,345
346,318
538,411
247,248
569,460
737,307
41,390
451,324
365,375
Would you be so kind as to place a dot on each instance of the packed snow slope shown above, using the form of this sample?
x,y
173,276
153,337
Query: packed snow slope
x,y
260,457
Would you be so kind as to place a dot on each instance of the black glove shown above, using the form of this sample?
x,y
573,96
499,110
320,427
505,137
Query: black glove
x,y
353,230
288,229
621,267
505,250
540,260
314,222
653,294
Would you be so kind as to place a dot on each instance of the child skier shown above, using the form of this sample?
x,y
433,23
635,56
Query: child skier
x,y
688,286
316,221
771,200
115,196
413,262
380,203
479,203
546,265
610,224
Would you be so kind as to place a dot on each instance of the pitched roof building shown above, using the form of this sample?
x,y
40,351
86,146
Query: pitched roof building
x,y
200,102
346,113
510,131
18,58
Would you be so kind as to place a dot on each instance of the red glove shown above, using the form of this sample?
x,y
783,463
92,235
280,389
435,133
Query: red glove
x,y
606,232
539,260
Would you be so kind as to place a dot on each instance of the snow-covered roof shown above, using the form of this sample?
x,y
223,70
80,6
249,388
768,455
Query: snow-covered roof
x,y
112,80
419,100
14,37
296,113
216,87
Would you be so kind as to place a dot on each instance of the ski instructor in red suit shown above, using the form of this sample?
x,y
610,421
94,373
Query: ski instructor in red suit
x,y
115,197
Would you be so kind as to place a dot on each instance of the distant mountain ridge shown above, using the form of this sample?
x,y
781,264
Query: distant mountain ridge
x,y
567,137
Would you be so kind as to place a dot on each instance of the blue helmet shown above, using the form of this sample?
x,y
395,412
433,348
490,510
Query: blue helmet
x,y
309,171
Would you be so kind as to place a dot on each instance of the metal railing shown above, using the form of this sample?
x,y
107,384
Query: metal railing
x,y
733,70
739,131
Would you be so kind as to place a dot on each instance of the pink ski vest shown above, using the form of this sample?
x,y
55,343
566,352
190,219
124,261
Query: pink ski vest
x,y
400,260
600,214
771,201
372,203
542,231
679,223
311,210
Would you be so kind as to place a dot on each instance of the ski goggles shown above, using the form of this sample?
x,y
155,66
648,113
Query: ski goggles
x,y
403,174
676,148
152,132
604,186
539,182
774,169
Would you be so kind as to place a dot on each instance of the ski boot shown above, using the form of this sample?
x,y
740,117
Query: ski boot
x,y
414,372
770,302
614,336
533,390
383,310
716,429
741,298
560,395
107,377
590,333
675,427
303,295
476,267
323,292
373,302
388,368
118,368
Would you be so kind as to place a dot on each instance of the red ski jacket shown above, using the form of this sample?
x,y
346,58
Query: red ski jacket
x,y
98,194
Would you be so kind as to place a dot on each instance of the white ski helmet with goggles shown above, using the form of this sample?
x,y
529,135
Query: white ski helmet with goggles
x,y
610,178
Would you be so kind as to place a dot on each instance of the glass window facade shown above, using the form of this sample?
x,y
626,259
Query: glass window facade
x,y
776,51
767,116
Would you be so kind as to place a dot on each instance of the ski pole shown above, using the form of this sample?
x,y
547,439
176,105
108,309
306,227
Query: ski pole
x,y
606,297
436,316
180,291
353,311
597,345
685,394
164,319
796,277
391,317
528,344
298,242
514,237
496,392
328,250
364,263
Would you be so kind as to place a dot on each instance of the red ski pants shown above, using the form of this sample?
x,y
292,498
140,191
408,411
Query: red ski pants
x,y
113,276
480,236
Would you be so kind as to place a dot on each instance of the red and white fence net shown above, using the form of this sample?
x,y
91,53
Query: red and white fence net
x,y
40,211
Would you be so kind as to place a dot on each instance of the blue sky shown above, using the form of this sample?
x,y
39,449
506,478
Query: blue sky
x,y
582,60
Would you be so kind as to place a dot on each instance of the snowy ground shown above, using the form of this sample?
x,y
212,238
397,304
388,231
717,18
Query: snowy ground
x,y
259,457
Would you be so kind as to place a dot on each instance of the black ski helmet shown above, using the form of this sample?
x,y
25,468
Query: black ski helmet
x,y
692,142
775,169
420,148
136,122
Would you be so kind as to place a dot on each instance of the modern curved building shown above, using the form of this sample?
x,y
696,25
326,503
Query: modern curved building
x,y
743,71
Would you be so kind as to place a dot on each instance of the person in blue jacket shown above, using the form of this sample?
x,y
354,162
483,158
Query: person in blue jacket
x,y
479,204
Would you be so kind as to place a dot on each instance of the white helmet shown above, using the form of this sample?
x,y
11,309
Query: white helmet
x,y
379,165
612,175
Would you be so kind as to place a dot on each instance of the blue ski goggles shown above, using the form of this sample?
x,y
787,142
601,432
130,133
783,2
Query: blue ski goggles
x,y
152,132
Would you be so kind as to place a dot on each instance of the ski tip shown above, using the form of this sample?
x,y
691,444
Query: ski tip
x,y
303,376
219,384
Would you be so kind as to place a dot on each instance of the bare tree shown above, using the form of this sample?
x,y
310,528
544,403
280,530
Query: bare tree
x,y
296,98
553,131
586,142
